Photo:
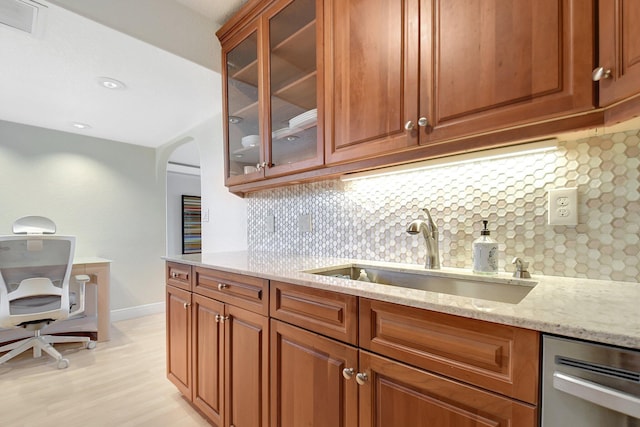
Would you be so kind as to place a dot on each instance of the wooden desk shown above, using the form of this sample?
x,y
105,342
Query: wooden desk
x,y
97,314
98,269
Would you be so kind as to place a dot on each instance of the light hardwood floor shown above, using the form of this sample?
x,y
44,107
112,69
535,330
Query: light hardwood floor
x,y
119,383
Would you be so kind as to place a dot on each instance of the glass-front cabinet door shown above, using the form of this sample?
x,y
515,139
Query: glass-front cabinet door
x,y
296,138
244,142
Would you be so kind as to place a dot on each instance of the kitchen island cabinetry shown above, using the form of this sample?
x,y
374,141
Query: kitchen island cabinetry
x,y
407,73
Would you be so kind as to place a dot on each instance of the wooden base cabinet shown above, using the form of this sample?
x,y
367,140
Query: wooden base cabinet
x,y
208,358
307,383
395,394
179,339
217,352
246,356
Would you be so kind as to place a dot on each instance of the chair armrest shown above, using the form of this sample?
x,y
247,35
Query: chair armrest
x,y
82,280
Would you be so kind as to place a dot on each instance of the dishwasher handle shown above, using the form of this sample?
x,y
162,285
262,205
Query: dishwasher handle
x,y
600,395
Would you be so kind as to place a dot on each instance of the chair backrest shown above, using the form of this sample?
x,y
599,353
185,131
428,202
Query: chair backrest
x,y
34,278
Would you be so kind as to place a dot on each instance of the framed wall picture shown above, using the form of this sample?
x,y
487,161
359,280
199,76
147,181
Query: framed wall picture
x,y
191,225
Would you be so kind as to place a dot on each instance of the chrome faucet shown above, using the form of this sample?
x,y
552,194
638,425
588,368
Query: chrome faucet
x,y
430,233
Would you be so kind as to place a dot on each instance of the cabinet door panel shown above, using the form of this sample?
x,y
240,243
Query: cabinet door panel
x,y
372,82
246,368
500,63
325,312
399,395
208,378
179,339
295,81
307,386
619,49
496,357
244,118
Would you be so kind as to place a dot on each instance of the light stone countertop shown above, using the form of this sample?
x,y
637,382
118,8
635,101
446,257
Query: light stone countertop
x,y
595,310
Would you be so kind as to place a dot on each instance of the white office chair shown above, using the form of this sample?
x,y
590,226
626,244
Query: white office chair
x,y
35,272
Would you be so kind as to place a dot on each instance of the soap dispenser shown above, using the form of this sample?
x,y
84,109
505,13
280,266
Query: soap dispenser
x,y
485,253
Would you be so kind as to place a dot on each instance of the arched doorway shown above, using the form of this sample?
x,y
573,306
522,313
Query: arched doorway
x,y
183,194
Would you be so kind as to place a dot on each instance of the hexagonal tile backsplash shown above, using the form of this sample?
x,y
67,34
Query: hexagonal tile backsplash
x,y
367,218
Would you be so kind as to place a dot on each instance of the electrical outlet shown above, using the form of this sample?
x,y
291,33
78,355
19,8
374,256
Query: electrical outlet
x,y
205,216
563,206
270,224
304,223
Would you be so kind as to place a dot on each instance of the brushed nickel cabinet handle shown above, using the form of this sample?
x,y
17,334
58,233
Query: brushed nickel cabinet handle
x,y
362,378
409,126
423,122
186,305
222,286
347,373
601,73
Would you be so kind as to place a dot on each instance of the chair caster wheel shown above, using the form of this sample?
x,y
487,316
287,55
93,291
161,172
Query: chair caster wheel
x,y
63,364
91,345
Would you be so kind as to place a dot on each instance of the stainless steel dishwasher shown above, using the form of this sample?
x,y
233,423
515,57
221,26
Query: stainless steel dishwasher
x,y
589,385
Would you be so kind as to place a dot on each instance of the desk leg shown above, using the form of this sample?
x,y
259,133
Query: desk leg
x,y
100,275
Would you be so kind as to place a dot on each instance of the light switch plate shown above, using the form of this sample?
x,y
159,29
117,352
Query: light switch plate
x,y
304,223
205,215
563,206
270,224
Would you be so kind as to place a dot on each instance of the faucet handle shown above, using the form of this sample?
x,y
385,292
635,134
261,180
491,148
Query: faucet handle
x,y
521,268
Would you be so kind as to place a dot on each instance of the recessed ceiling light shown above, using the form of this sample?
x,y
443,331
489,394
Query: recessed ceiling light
x,y
110,83
79,125
239,156
292,138
235,119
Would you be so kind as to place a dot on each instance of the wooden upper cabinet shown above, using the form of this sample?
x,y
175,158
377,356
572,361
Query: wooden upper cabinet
x,y
272,75
427,72
243,115
493,64
295,78
619,43
371,86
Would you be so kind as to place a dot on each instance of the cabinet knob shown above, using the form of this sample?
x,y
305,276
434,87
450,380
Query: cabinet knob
x,y
423,122
222,286
601,73
347,373
409,126
220,318
186,305
174,274
260,166
362,378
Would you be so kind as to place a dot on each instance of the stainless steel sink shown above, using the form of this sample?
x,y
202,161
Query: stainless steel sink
x,y
510,291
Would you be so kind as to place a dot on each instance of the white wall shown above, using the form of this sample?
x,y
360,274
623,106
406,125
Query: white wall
x,y
106,193
178,185
191,36
227,226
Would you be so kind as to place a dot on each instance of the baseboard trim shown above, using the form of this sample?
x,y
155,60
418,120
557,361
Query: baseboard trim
x,y
137,311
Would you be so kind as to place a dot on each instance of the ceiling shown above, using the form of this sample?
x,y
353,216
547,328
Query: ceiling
x,y
51,80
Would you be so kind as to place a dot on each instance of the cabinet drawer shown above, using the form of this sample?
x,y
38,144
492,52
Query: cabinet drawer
x,y
501,358
328,313
178,275
250,293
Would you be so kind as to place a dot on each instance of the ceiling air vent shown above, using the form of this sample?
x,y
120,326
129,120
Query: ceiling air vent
x,y
22,15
